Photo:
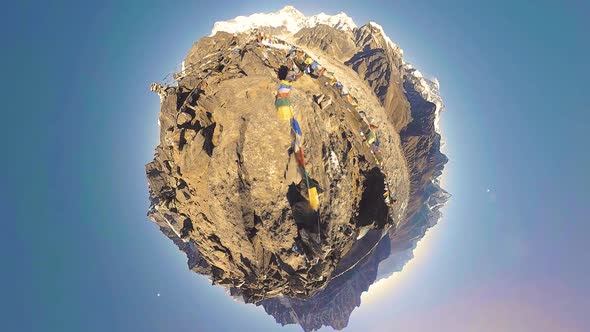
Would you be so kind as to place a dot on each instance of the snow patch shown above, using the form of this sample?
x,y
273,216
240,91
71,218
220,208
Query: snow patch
x,y
334,162
277,46
289,17
340,21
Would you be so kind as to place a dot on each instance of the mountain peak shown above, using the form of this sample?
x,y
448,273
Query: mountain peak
x,y
291,10
379,29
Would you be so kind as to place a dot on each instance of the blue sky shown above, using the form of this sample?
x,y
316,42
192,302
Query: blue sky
x,y
79,125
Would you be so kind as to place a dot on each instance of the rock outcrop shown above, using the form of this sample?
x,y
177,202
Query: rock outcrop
x,y
226,188
333,305
224,178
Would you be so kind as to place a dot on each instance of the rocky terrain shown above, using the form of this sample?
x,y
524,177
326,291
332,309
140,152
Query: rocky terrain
x,y
226,188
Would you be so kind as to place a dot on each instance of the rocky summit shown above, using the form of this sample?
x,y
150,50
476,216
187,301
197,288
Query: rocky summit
x,y
266,115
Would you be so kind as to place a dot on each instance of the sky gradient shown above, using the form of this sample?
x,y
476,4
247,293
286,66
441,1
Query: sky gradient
x,y
80,123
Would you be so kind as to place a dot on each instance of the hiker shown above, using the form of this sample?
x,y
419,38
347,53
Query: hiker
x,y
308,61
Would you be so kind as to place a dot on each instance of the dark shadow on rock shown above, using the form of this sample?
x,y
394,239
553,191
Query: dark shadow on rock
x,y
372,208
282,73
207,133
187,227
365,53
304,215
306,219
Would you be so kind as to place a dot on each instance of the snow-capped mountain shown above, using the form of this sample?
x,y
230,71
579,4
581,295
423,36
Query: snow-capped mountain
x,y
293,20
289,17
428,89
393,45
